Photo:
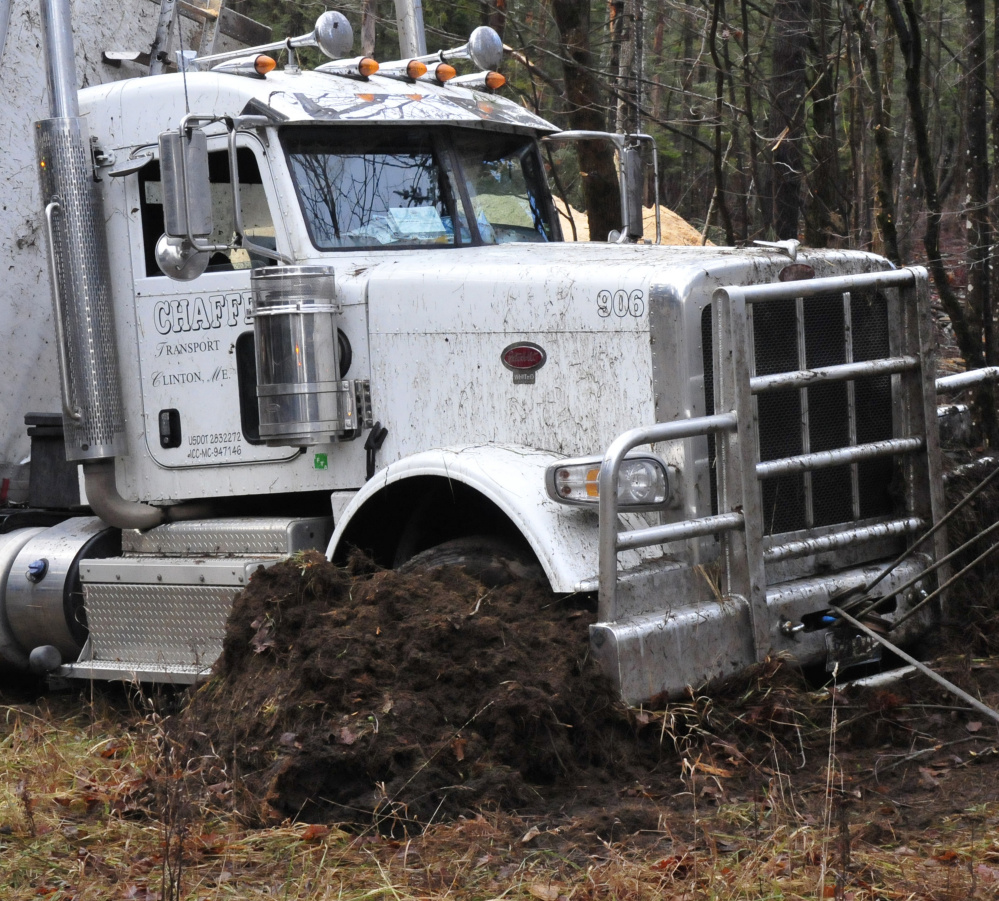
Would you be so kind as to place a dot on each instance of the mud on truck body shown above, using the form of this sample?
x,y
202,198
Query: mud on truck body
x,y
371,334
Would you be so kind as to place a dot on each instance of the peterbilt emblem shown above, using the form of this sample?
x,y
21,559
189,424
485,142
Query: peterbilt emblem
x,y
523,359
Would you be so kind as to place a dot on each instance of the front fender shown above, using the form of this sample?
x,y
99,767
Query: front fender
x,y
564,539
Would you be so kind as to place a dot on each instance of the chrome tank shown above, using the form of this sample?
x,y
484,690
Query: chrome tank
x,y
41,598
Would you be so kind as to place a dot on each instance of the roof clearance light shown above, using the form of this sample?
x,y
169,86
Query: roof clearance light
x,y
404,68
643,482
479,80
362,66
250,66
444,72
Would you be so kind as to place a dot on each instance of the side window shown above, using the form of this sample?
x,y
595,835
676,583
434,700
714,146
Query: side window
x,y
258,224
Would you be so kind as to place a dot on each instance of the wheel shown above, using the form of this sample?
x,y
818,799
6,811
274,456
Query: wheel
x,y
493,561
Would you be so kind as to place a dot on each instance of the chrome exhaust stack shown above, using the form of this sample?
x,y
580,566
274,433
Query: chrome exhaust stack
x,y
78,256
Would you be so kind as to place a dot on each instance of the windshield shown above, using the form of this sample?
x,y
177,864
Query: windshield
x,y
396,187
503,179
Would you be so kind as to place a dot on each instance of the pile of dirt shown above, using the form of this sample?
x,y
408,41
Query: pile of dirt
x,y
366,697
347,696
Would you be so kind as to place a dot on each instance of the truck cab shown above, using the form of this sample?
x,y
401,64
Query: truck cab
x,y
355,324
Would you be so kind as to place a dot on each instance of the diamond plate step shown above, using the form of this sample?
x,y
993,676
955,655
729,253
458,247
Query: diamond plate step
x,y
158,612
237,535
161,616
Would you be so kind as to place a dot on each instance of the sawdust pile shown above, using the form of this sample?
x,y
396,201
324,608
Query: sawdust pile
x,y
674,228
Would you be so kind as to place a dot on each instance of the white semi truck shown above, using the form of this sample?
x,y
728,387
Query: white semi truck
x,y
333,308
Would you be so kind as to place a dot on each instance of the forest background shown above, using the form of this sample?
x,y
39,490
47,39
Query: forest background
x,y
868,124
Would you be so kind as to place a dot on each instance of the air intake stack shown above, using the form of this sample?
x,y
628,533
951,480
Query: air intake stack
x,y
78,255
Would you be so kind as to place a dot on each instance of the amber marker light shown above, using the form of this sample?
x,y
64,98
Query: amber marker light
x,y
444,72
362,66
247,66
414,69
494,81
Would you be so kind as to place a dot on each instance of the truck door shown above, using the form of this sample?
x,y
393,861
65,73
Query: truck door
x,y
195,338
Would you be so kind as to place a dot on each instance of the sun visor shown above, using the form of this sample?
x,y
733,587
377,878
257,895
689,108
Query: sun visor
x,y
417,106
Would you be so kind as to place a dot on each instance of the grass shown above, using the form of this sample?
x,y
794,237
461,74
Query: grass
x,y
92,808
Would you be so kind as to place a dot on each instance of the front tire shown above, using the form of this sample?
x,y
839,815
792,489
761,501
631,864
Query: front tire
x,y
493,561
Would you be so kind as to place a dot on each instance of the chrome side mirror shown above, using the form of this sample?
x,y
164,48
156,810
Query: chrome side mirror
x,y
187,195
179,259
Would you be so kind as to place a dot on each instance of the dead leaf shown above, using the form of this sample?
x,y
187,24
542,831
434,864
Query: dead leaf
x,y
314,832
676,866
928,778
136,892
264,637
531,834
543,892
706,769
712,791
987,874
974,726
458,746
114,748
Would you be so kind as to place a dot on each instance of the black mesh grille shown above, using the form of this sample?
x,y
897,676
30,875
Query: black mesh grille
x,y
788,336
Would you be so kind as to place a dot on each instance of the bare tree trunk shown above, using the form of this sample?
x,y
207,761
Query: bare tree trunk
x,y
907,28
625,82
824,216
747,89
496,16
885,191
717,12
994,255
979,295
600,187
368,16
615,27
856,132
788,121
655,99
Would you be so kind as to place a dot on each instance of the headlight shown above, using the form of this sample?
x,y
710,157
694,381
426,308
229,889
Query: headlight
x,y
643,482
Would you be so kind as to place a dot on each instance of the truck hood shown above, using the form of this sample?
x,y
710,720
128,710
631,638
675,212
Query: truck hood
x,y
609,319
568,267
